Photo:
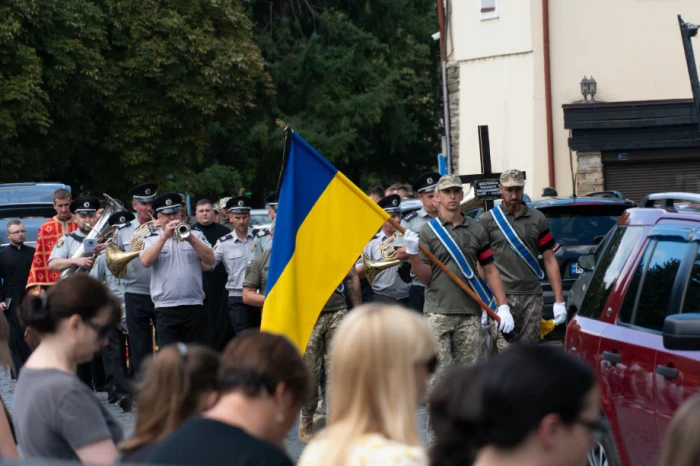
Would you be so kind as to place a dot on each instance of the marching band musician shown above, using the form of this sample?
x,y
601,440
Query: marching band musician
x,y
460,243
84,209
234,251
140,311
424,187
388,286
176,278
113,354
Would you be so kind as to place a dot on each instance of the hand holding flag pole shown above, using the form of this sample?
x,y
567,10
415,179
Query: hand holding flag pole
x,y
450,274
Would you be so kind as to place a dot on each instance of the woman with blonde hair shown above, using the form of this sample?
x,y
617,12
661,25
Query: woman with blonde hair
x,y
178,383
681,441
381,358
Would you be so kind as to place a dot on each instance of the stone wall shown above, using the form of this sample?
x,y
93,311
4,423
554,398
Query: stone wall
x,y
453,93
589,175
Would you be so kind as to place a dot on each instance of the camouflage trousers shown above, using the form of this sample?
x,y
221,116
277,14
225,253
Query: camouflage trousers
x,y
461,341
317,355
527,313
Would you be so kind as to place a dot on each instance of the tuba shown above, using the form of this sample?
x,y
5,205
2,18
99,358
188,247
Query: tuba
x,y
389,259
117,260
101,231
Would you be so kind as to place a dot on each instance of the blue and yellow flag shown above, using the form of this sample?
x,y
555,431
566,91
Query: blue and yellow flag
x,y
323,223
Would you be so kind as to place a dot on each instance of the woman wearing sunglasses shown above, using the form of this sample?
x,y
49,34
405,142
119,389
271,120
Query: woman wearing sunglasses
x,y
530,405
56,415
381,358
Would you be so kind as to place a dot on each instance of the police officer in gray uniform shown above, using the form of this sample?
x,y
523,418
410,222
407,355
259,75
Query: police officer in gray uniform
x,y
113,354
234,251
424,187
263,239
140,312
176,278
84,209
388,286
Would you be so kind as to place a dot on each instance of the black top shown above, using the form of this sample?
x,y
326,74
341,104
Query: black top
x,y
207,442
137,455
14,271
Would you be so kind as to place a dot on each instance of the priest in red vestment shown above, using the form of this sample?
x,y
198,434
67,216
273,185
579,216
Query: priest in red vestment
x,y
50,232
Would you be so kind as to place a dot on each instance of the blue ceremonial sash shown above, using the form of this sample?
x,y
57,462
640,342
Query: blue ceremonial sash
x,y
516,244
476,283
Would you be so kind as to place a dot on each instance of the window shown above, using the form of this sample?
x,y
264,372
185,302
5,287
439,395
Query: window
x,y
691,301
579,225
488,9
617,250
650,291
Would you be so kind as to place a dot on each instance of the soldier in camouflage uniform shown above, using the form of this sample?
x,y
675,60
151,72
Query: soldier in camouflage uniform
x,y
318,348
424,187
453,315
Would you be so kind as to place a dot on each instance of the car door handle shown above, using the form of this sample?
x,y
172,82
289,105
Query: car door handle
x,y
668,372
612,357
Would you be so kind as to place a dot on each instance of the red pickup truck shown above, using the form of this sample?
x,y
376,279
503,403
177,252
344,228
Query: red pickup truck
x,y
639,325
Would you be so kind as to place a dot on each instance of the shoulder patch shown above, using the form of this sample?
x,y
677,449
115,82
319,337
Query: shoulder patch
x,y
60,243
411,216
226,237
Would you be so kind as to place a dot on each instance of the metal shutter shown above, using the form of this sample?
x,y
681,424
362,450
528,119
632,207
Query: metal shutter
x,y
636,181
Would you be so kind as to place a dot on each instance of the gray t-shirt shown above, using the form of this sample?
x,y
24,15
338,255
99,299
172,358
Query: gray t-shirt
x,y
56,414
138,277
176,279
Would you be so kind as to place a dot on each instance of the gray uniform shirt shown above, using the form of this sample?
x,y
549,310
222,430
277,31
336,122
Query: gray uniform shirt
x,y
262,243
102,273
66,246
176,279
138,277
387,282
414,222
55,414
235,254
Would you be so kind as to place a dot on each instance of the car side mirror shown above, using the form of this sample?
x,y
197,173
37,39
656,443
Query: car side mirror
x,y
587,262
682,332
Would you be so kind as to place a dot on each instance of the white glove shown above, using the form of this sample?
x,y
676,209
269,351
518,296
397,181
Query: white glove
x,y
507,325
411,241
484,319
559,313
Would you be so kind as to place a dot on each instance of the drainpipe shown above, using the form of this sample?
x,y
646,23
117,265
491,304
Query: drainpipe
x,y
445,94
687,31
548,93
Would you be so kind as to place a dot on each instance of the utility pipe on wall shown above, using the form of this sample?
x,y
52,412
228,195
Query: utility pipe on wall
x,y
548,93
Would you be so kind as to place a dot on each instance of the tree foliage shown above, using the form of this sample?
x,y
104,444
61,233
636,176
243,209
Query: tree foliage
x,y
102,94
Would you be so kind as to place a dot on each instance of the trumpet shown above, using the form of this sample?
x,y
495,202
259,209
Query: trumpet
x,y
182,231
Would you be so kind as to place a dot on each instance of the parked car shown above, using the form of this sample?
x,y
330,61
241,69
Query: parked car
x,y
638,318
260,219
32,203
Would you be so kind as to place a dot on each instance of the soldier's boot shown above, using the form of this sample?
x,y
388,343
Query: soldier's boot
x,y
306,427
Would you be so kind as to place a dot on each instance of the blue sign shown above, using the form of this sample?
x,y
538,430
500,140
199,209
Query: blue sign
x,y
442,164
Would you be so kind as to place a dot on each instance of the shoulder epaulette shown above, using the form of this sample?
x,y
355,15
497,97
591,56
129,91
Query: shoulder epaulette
x,y
155,233
226,237
411,216
127,224
261,233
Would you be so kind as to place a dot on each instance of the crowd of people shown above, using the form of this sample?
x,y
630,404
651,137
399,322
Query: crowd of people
x,y
178,332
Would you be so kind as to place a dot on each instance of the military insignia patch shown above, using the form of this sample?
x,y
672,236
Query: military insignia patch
x,y
59,243
168,202
255,245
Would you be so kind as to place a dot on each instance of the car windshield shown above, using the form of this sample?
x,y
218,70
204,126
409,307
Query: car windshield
x,y
581,225
260,219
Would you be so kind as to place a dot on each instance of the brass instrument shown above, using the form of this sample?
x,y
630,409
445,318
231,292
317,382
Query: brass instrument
x,y
389,259
182,231
101,231
117,260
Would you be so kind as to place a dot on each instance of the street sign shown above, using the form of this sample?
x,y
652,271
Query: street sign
x,y
487,189
442,164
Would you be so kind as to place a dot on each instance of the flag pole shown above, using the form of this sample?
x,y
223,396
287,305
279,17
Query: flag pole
x,y
287,131
450,274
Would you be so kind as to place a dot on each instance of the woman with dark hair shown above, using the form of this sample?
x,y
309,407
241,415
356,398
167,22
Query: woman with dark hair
x,y
531,405
262,383
177,383
57,416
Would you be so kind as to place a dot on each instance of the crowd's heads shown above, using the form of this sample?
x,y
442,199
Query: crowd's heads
x,y
391,205
238,208
376,193
85,210
381,358
176,384
264,366
78,310
120,218
143,197
532,398
167,207
16,232
449,192
204,212
424,187
511,185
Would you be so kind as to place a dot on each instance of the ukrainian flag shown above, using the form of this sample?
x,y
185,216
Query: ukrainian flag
x,y
323,223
